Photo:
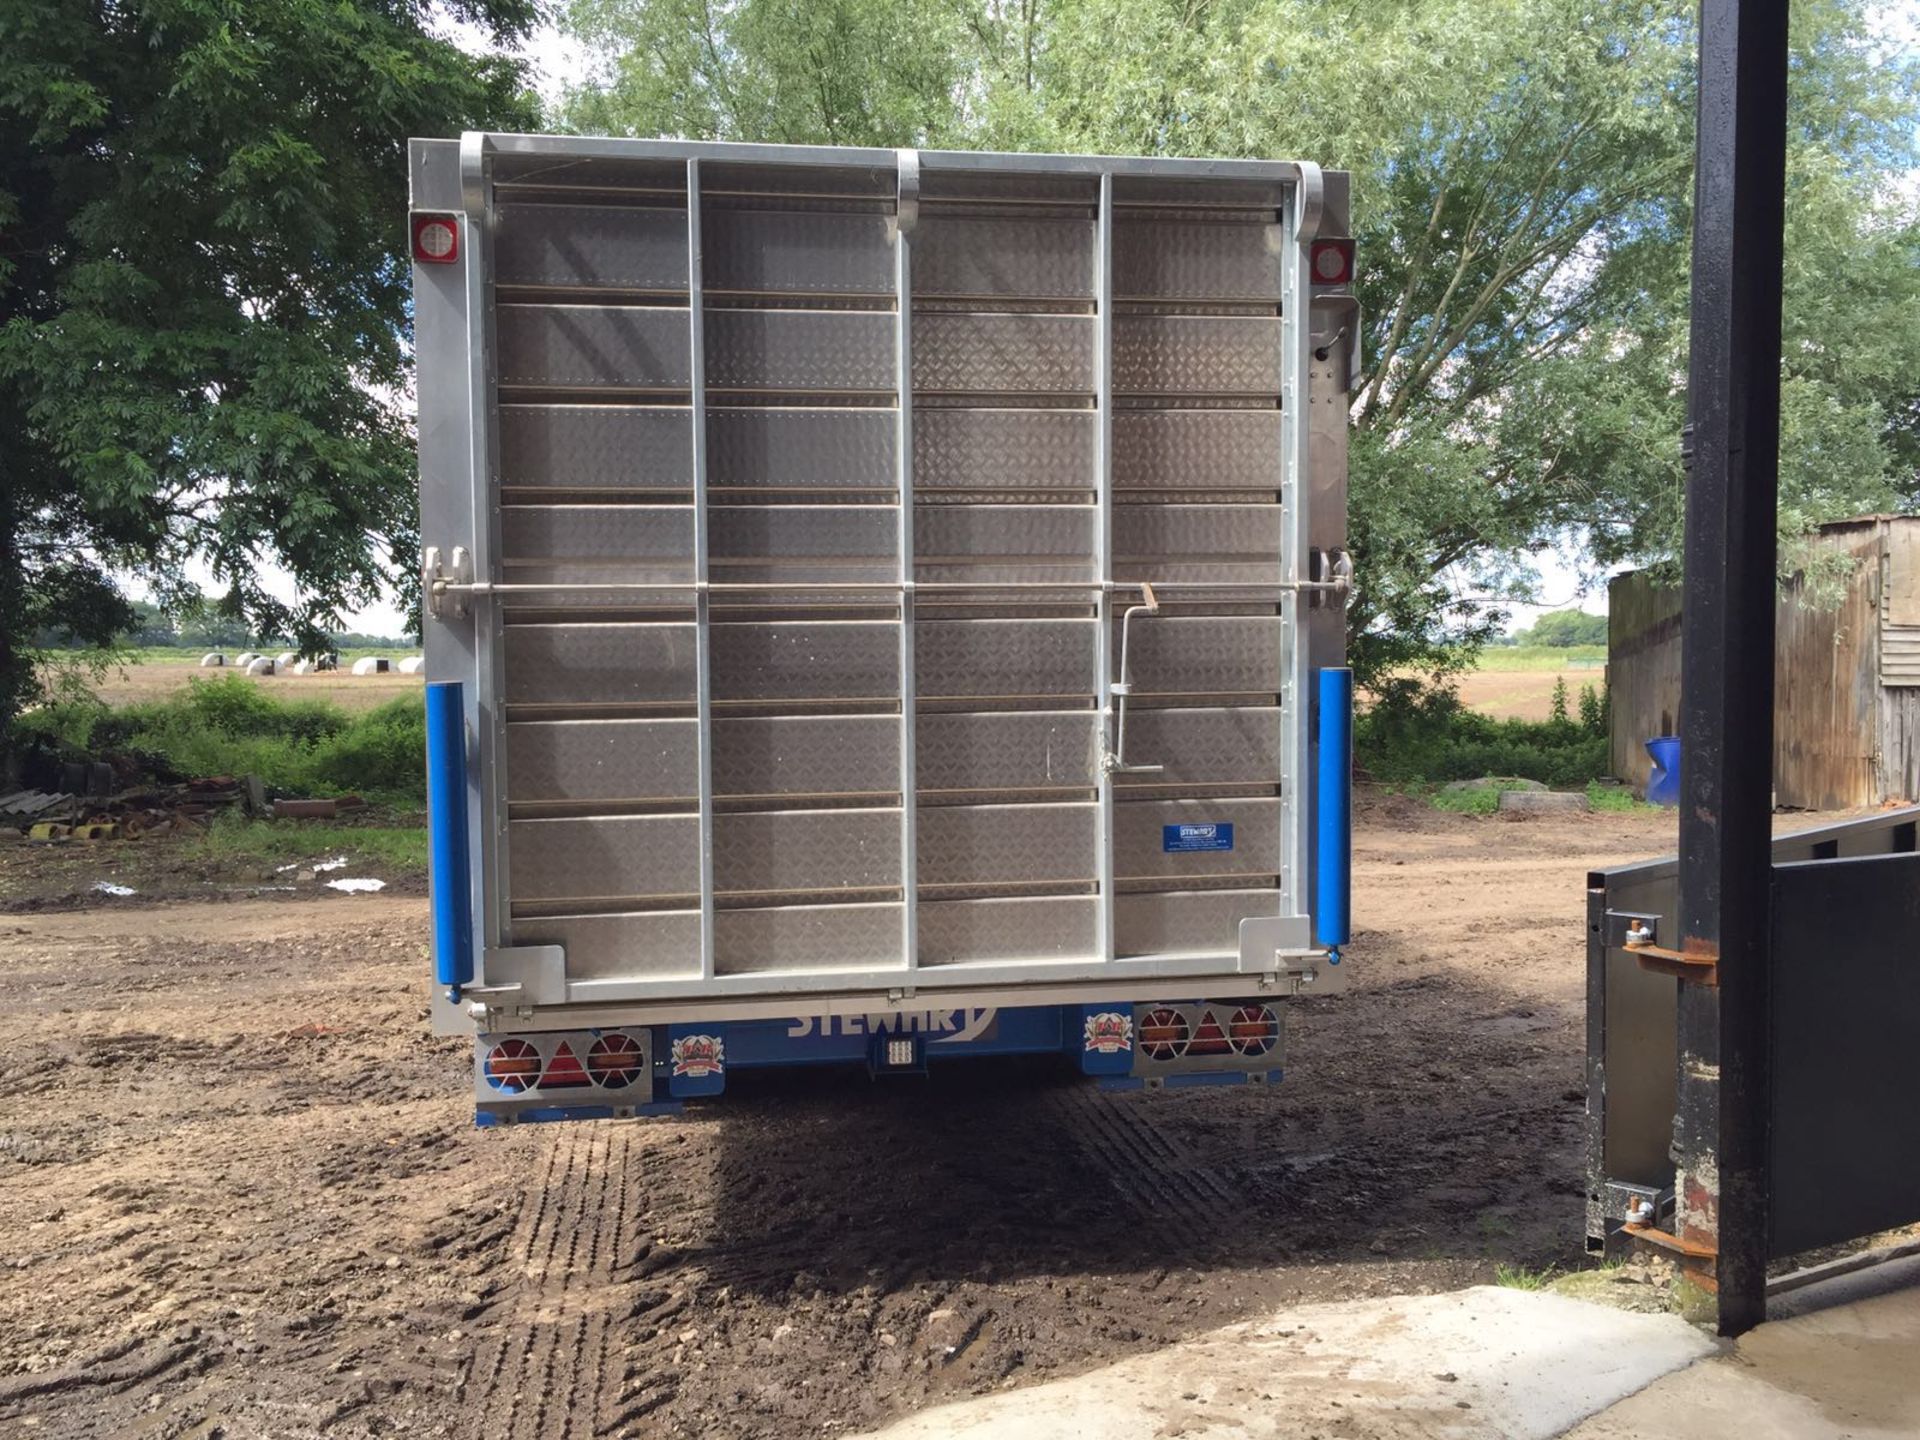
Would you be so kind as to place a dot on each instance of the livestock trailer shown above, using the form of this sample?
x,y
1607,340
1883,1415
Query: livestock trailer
x,y
882,606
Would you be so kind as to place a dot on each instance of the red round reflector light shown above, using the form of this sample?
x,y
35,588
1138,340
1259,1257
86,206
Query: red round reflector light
x,y
1163,1034
614,1061
1332,262
1254,1029
436,239
513,1066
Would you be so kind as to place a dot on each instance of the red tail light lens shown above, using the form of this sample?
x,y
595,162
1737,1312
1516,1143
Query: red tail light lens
x,y
1254,1029
1332,262
1164,1034
436,239
614,1061
513,1066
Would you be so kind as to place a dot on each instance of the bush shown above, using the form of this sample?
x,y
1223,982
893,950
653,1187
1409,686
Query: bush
x,y
1409,737
230,726
383,750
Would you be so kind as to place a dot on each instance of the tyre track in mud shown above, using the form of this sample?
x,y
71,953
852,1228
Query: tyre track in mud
x,y
579,1344
1154,1173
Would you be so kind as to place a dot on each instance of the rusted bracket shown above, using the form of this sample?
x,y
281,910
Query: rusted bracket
x,y
1686,1249
1697,962
1701,1262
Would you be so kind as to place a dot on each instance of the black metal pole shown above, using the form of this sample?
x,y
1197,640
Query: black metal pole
x,y
1726,706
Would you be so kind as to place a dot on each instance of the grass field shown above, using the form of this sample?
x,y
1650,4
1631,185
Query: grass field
x,y
1516,682
157,673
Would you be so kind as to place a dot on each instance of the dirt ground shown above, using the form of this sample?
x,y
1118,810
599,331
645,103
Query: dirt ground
x,y
242,1194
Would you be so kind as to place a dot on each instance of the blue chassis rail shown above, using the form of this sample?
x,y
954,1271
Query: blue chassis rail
x,y
846,1040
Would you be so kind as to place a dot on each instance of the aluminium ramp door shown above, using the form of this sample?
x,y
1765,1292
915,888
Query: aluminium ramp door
x,y
802,497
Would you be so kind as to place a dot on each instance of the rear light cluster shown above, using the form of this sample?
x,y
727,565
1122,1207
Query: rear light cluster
x,y
612,1062
436,239
1168,1034
1332,262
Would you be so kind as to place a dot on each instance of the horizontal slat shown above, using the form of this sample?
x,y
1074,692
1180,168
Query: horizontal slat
x,y
602,247
786,938
1234,543
1196,355
1002,449
640,761
643,543
760,544
805,755
1003,543
797,252
1196,260
799,449
597,446
620,856
1196,449
791,938
605,858
585,762
1197,746
1204,655
765,544
969,658
659,946
651,761
588,761
1196,922
799,350
1140,851
806,850
988,256
609,664
1006,844
593,347
598,664
1025,928
805,660
1003,354
1019,750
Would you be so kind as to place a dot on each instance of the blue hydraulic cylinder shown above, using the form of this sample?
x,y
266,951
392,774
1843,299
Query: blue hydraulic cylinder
x,y
1334,841
449,872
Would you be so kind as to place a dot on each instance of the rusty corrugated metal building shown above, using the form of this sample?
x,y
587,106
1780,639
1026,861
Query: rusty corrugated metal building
x,y
1846,671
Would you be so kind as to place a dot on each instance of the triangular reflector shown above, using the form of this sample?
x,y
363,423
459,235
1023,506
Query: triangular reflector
x,y
564,1071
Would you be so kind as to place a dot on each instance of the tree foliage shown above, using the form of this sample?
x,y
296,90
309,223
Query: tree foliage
x,y
203,298
1522,178
1564,629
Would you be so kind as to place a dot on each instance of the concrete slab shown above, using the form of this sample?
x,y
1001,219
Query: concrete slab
x,y
1841,1363
1535,802
1471,1365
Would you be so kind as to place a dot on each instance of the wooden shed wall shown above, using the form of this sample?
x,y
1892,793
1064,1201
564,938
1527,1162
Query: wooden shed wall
x,y
1829,706
1827,686
1900,663
1643,672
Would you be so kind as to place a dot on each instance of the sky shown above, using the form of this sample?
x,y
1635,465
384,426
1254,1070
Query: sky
x,y
558,60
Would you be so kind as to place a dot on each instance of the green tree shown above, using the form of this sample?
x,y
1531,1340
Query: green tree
x,y
1522,197
827,72
1566,628
203,298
